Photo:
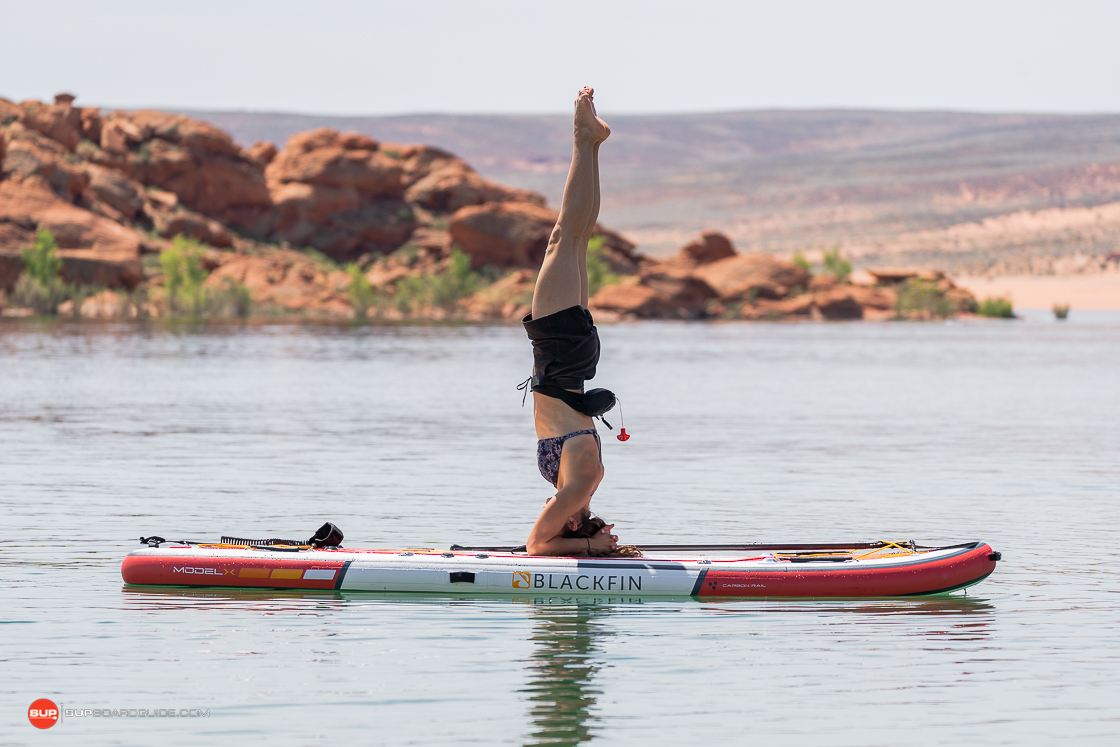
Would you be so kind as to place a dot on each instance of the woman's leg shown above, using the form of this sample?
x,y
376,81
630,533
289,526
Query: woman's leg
x,y
562,281
589,231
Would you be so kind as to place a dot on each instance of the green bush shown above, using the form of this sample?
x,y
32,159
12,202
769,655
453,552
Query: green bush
x,y
1061,310
800,261
836,266
40,260
598,271
996,307
455,282
183,276
443,289
231,298
362,294
39,286
922,298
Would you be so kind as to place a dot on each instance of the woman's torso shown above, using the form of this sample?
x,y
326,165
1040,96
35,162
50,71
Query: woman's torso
x,y
554,418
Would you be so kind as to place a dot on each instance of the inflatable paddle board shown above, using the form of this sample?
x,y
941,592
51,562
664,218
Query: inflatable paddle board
x,y
836,570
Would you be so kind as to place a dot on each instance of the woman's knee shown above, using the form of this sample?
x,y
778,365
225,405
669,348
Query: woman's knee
x,y
561,241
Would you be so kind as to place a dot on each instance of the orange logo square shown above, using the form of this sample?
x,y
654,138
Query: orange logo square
x,y
521,580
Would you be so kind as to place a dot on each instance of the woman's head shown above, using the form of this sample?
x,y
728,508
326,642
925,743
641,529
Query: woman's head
x,y
583,524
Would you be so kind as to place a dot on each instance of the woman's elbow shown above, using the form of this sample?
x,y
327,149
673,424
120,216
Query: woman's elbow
x,y
536,547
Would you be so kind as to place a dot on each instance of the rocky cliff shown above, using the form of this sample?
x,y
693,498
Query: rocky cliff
x,y
337,223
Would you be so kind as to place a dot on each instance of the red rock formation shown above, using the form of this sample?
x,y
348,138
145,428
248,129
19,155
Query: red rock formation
x,y
105,305
169,219
515,234
504,234
747,276
879,299
712,246
93,179
94,250
262,152
91,123
287,280
891,275
509,298
417,161
113,194
9,112
339,194
838,303
59,122
31,154
625,299
198,162
661,292
798,307
454,184
324,158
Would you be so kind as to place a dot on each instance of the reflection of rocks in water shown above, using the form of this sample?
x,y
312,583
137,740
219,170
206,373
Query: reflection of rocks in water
x,y
561,671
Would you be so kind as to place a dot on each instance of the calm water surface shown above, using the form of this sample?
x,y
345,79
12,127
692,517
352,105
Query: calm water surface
x,y
1001,431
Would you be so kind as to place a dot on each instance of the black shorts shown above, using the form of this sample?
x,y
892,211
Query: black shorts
x,y
565,347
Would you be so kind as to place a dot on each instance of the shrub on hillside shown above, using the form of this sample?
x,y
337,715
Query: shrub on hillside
x,y
39,286
230,299
183,276
921,298
183,279
999,308
361,291
443,289
836,266
598,271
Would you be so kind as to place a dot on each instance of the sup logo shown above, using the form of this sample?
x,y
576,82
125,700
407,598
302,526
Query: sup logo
x,y
43,713
521,580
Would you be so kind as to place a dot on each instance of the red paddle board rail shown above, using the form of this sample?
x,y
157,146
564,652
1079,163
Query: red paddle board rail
x,y
745,547
972,563
265,572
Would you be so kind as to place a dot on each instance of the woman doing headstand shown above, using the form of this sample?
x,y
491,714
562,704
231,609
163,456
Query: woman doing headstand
x,y
565,353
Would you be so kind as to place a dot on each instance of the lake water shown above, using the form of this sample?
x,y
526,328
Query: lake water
x,y
1001,431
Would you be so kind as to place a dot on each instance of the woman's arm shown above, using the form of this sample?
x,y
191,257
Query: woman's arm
x,y
570,500
579,476
599,544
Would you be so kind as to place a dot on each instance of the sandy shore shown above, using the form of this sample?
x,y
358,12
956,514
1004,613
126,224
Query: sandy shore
x,y
1043,291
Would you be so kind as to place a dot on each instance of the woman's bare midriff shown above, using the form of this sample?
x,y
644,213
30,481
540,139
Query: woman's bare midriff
x,y
554,418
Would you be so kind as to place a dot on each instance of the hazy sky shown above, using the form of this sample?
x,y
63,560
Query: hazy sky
x,y
335,56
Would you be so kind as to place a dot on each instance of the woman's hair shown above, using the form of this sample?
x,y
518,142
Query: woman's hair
x,y
592,525
589,527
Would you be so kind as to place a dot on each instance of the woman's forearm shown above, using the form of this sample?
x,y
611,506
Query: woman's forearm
x,y
559,546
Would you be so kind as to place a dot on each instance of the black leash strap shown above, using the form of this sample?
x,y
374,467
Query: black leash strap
x,y
327,535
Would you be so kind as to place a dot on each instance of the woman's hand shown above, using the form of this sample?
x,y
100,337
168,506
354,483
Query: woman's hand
x,y
604,542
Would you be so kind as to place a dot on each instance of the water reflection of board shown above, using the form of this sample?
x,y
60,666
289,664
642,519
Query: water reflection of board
x,y
891,570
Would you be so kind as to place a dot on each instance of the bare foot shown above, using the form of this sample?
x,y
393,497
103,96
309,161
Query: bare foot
x,y
589,128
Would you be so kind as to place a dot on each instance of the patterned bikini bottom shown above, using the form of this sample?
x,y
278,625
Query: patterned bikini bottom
x,y
548,453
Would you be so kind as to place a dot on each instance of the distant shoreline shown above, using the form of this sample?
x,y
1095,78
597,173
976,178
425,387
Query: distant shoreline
x,y
1082,292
